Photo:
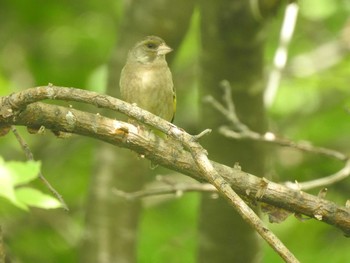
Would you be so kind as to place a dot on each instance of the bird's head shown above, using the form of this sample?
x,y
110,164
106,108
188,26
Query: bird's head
x,y
149,49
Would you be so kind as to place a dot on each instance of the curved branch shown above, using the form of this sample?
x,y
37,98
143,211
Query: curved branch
x,y
19,109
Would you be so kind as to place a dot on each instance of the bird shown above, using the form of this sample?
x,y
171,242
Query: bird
x,y
146,79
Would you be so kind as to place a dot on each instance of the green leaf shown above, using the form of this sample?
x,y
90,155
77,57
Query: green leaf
x,y
33,197
7,189
23,172
13,174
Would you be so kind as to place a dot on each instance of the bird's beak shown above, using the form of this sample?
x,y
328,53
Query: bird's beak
x,y
163,49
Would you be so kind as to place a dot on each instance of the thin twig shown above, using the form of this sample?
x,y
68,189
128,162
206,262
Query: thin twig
x,y
270,137
178,189
322,182
201,134
227,97
241,131
208,172
30,157
302,146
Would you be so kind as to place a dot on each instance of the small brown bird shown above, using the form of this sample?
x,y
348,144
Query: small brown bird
x,y
146,79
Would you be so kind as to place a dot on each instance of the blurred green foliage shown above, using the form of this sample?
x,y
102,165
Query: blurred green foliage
x,y
69,43
14,185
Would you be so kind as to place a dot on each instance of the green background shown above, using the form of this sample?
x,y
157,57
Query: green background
x,y
70,43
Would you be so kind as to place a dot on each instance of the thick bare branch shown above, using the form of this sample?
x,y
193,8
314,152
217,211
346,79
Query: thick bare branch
x,y
19,109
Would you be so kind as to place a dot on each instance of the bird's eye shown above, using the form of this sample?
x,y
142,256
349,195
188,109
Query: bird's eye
x,y
151,45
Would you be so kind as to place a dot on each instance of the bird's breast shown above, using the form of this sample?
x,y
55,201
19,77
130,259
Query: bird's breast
x,y
150,87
